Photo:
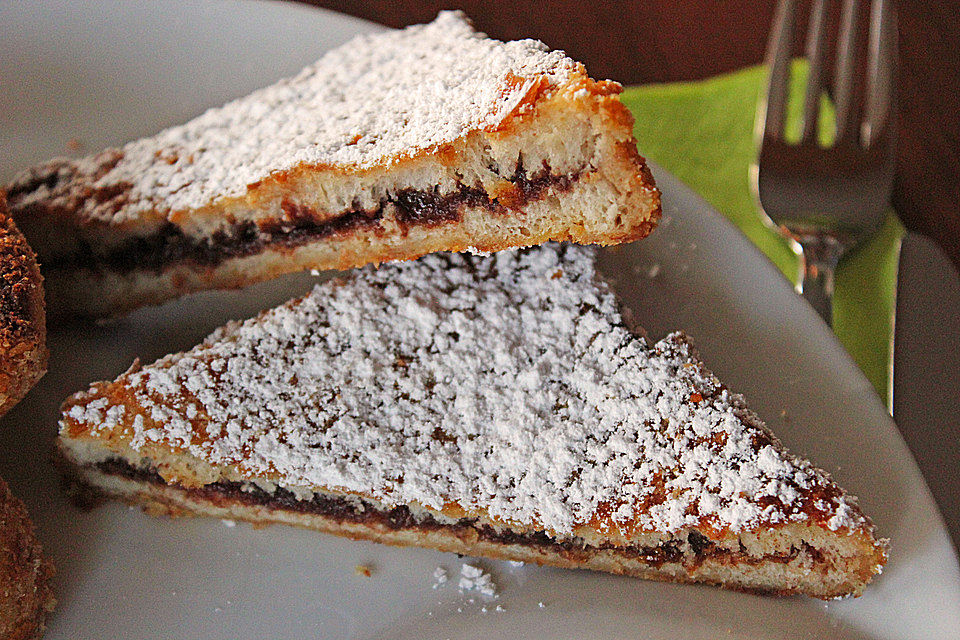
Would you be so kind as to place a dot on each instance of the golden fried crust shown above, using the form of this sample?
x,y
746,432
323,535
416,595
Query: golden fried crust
x,y
23,349
25,593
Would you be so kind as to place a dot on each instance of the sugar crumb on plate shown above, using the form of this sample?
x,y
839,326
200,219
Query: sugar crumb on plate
x,y
440,577
474,578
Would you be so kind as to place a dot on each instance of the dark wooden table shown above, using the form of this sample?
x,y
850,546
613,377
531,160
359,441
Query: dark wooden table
x,y
664,40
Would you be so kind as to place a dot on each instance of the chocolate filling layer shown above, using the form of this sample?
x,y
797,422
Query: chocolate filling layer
x,y
691,551
411,207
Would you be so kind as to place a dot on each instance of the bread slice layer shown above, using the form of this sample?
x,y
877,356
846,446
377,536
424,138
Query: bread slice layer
x,y
492,405
392,146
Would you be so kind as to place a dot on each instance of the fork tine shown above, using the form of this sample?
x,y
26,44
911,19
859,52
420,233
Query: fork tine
x,y
779,51
881,69
846,72
816,54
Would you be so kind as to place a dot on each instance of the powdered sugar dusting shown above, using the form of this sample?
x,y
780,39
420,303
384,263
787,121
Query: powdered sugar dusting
x,y
440,577
361,104
474,578
506,383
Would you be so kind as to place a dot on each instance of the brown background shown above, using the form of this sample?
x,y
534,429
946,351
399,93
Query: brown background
x,y
662,40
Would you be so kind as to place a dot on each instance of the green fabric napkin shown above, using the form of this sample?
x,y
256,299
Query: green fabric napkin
x,y
702,132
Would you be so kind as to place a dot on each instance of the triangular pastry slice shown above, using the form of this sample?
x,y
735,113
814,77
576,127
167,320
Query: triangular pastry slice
x,y
433,138
494,406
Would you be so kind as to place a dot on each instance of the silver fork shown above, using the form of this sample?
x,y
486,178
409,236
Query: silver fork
x,y
827,200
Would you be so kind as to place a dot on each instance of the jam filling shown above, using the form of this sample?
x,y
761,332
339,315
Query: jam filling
x,y
411,207
690,552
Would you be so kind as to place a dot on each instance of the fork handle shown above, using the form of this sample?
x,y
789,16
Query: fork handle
x,y
818,262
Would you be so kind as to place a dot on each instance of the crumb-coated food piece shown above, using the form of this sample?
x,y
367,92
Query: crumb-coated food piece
x,y
433,138
25,593
23,333
26,597
493,406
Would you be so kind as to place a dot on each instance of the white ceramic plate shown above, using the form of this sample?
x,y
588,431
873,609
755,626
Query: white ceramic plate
x,y
105,72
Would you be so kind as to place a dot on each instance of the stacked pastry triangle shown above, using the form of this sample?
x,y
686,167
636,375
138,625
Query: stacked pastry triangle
x,y
490,405
433,138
